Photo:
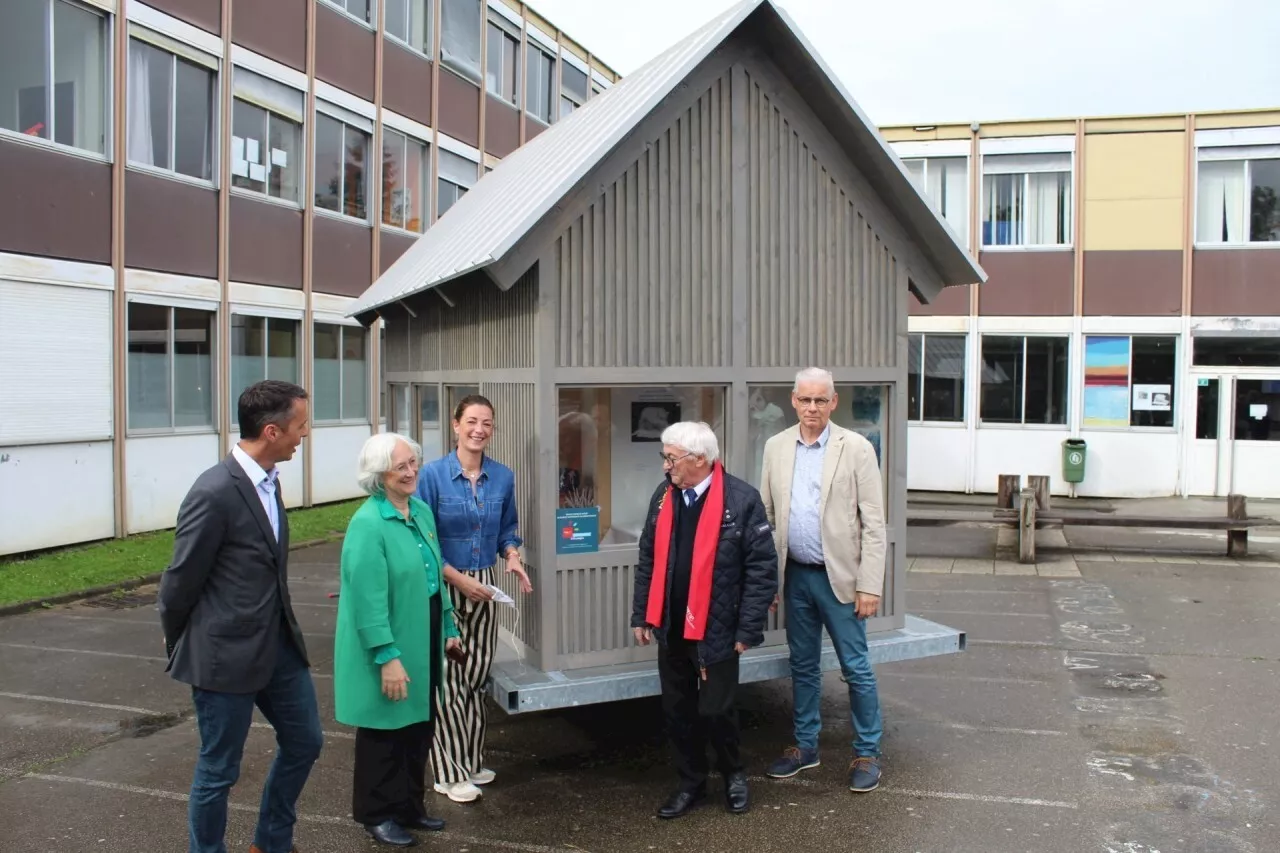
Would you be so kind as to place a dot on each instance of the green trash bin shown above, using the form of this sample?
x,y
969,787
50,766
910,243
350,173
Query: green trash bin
x,y
1074,451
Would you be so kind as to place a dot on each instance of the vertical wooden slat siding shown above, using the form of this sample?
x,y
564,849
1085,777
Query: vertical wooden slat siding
x,y
644,283
599,601
484,328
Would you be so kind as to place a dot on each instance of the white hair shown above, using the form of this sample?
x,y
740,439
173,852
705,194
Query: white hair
x,y
375,459
815,374
694,436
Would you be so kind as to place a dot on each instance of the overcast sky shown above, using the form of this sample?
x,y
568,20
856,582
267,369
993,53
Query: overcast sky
x,y
931,61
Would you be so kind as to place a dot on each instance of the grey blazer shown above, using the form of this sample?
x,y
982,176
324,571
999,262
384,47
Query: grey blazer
x,y
224,597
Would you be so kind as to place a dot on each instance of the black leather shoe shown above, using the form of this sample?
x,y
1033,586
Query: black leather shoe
x,y
736,795
681,803
430,824
392,834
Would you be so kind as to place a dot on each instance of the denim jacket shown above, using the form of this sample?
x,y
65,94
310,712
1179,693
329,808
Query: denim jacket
x,y
476,529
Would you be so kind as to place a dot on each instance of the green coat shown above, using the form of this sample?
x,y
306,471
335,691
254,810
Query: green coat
x,y
390,568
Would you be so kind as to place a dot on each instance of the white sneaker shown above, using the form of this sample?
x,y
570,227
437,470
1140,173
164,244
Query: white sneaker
x,y
483,776
459,792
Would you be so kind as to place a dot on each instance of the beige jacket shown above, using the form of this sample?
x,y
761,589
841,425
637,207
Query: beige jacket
x,y
851,508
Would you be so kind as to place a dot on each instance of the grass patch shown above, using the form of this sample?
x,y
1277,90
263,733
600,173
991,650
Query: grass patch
x,y
115,561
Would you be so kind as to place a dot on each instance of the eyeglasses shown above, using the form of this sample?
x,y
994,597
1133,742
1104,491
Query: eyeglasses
x,y
405,468
806,402
671,460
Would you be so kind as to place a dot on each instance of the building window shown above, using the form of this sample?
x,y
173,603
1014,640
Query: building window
x,y
429,433
261,348
405,178
1238,200
341,373
935,378
342,149
1026,200
1129,381
1257,410
266,137
610,448
409,22
53,73
1024,380
503,74
170,367
861,408
382,373
945,184
1243,351
573,88
171,110
402,411
539,83
457,175
460,30
361,10
1207,408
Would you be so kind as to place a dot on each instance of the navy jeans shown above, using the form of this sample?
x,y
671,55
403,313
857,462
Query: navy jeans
x,y
811,604
289,704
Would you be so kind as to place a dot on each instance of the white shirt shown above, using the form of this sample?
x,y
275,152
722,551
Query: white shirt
x,y
698,490
264,483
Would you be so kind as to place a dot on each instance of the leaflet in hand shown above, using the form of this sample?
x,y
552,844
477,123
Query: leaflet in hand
x,y
499,596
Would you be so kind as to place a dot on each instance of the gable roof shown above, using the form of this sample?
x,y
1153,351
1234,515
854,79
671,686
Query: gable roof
x,y
491,218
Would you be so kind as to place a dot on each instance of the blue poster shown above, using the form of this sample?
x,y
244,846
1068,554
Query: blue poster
x,y
578,530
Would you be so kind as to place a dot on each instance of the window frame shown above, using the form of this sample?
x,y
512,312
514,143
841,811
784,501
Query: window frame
x,y
429,8
936,204
1215,154
170,364
1021,423
384,192
563,94
1025,174
341,7
108,71
342,419
552,84
201,59
266,318
508,31
481,34
923,375
441,152
272,111
344,118
1174,385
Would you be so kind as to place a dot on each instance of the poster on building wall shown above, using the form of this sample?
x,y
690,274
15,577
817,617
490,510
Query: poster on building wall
x,y
1106,381
578,530
1152,398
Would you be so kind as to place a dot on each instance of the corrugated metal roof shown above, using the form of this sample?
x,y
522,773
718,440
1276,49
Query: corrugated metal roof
x,y
506,204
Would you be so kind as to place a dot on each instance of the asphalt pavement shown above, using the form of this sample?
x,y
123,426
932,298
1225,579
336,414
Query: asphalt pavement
x,y
1123,702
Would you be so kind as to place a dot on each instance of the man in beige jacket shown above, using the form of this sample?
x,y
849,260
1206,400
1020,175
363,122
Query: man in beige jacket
x,y
824,496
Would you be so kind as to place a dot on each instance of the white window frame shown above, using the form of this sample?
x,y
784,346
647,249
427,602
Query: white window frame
x,y
553,101
429,7
1047,145
569,59
266,315
926,160
170,305
342,325
1261,144
481,33
964,366
341,6
1175,385
347,119
110,22
272,109
428,203
509,31
178,50
1068,396
454,179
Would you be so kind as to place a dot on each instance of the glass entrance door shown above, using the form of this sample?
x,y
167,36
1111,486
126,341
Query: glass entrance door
x,y
1237,436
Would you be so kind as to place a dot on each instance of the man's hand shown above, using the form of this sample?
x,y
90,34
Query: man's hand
x,y
773,608
739,647
644,636
866,604
395,681
516,566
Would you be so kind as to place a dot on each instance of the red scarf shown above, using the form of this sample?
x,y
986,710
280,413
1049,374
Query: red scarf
x,y
705,541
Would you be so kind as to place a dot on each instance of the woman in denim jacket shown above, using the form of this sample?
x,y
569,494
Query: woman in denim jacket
x,y
473,500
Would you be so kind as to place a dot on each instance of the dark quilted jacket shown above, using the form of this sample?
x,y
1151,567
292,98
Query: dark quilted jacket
x,y
744,580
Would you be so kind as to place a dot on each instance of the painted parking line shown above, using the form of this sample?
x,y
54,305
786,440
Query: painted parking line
x,y
329,820
980,798
966,727
1035,644
80,703
984,679
983,613
61,650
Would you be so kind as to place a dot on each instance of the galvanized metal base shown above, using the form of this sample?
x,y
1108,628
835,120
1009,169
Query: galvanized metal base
x,y
519,688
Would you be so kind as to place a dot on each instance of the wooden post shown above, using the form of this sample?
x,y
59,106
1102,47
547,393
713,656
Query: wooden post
x,y
1007,487
1039,483
1237,539
1027,526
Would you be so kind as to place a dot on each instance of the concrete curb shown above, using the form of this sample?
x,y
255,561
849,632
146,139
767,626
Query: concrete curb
x,y
21,607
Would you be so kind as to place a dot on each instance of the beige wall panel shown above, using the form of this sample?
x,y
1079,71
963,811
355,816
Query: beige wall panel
x,y
995,130
1134,166
1263,118
907,134
1145,124
1133,224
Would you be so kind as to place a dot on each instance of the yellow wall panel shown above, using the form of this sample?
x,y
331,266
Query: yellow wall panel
x,y
1133,224
908,134
1135,125
1254,119
996,130
1134,166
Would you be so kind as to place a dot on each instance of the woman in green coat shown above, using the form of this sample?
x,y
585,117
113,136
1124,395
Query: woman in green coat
x,y
394,627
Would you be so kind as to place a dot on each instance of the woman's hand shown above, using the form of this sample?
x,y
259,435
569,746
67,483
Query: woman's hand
x,y
395,681
451,644
473,589
516,566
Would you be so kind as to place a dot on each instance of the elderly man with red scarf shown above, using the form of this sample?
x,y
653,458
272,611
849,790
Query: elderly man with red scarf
x,y
707,575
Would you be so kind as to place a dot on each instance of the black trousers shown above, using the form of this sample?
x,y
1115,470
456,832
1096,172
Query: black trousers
x,y
699,711
391,764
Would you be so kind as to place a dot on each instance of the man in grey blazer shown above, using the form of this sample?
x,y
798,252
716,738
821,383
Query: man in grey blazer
x,y
229,626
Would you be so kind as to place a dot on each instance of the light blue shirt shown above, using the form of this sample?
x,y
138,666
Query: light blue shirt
x,y
264,483
804,525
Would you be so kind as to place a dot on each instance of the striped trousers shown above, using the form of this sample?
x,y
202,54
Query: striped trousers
x,y
461,716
